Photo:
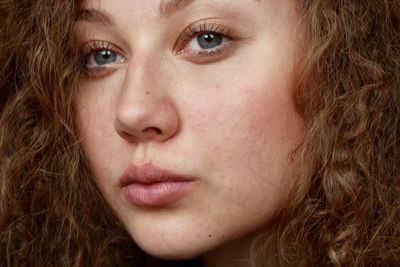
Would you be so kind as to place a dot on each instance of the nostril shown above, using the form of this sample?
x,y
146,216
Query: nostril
x,y
125,135
152,130
148,133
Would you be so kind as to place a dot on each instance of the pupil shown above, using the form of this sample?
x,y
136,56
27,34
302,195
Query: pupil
x,y
104,57
209,40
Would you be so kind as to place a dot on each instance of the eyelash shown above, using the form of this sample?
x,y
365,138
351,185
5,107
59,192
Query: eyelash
x,y
195,30
92,47
191,32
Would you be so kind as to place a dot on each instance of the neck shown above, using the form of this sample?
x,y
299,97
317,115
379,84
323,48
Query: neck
x,y
237,253
232,254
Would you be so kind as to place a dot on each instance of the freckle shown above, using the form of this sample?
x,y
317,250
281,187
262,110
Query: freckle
x,y
147,92
217,86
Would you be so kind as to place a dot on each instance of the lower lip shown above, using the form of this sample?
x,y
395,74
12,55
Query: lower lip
x,y
156,194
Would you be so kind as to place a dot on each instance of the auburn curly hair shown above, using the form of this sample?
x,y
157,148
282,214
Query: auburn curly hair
x,y
343,211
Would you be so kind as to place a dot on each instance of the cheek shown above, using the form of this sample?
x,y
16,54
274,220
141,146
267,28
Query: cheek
x,y
95,116
246,128
240,111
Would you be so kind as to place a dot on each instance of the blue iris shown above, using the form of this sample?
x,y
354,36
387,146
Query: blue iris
x,y
209,40
104,57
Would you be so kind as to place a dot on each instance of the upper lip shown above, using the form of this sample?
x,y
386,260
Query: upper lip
x,y
149,174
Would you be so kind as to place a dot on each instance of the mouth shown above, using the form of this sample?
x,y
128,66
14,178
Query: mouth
x,y
149,186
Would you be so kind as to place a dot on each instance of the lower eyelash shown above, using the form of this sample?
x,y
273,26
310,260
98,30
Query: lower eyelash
x,y
210,52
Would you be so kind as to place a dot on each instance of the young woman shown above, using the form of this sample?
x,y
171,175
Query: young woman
x,y
200,133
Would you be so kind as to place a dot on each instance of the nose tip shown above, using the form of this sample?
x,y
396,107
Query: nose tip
x,y
147,122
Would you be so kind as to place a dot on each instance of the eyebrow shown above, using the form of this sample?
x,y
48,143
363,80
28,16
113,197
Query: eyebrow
x,y
166,9
169,7
95,16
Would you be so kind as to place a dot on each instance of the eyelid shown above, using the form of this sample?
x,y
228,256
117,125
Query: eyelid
x,y
203,26
97,45
93,46
199,27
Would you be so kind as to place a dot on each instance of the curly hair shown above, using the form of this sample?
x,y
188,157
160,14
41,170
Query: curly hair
x,y
344,209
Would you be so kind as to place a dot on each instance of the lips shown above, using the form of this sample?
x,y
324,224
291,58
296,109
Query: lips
x,y
148,185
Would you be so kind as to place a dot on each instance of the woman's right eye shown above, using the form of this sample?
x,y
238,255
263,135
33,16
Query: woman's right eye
x,y
100,58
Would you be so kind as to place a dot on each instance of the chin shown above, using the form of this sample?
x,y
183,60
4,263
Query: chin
x,y
171,247
172,253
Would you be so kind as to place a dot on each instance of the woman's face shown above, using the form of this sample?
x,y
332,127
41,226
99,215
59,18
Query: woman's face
x,y
187,118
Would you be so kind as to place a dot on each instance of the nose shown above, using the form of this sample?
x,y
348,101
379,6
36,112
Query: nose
x,y
145,109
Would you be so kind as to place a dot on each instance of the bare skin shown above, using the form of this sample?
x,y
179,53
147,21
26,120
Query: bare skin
x,y
203,91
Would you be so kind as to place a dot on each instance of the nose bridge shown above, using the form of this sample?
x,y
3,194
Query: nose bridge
x,y
146,109
141,79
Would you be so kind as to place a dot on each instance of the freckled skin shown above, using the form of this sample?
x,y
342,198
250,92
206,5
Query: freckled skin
x,y
229,123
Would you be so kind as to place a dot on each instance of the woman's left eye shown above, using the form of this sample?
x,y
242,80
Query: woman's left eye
x,y
204,43
207,41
